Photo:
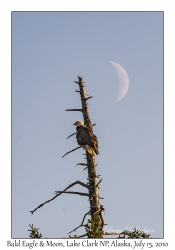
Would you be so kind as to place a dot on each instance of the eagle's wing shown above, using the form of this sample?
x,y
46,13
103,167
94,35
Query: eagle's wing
x,y
93,141
86,137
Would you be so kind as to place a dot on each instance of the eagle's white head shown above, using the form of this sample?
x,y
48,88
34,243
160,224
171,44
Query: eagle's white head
x,y
78,123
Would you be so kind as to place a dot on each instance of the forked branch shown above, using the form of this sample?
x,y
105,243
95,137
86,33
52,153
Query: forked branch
x,y
81,222
71,185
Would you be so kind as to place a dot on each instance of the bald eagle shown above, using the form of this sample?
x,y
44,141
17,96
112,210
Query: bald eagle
x,y
86,138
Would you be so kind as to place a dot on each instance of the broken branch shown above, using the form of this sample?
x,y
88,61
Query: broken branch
x,y
70,151
99,183
73,110
81,222
44,203
69,192
88,97
71,135
82,235
82,164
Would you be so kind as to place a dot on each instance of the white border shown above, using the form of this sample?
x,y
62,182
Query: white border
x,y
5,93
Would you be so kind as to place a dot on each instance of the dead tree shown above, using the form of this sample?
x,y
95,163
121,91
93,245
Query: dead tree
x,y
94,226
92,187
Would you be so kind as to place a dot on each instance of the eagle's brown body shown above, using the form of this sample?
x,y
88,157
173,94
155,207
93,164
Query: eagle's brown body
x,y
86,137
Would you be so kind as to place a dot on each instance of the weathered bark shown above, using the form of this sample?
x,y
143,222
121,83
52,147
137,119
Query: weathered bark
x,y
92,176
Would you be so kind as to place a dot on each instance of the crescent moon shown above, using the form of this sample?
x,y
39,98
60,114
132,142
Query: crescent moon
x,y
123,84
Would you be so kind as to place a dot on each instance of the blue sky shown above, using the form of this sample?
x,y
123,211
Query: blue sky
x,y
49,50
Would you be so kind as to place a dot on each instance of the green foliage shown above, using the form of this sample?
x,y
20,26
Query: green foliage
x,y
137,234
34,234
74,236
94,228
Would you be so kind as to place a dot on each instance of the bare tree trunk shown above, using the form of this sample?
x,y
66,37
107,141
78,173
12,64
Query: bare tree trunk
x,y
92,176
